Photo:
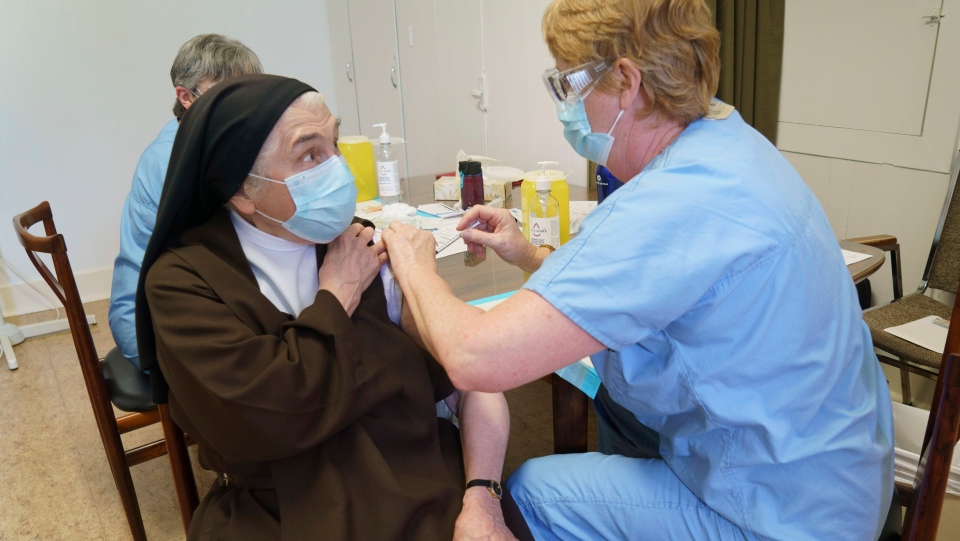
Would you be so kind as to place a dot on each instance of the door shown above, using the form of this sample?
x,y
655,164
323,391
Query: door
x,y
440,53
338,15
861,85
373,34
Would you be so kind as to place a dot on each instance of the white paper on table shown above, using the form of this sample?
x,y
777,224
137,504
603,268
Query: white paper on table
x,y
437,223
448,240
578,211
929,332
440,210
849,258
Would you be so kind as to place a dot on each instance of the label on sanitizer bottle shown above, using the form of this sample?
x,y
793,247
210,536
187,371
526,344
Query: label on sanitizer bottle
x,y
545,231
388,181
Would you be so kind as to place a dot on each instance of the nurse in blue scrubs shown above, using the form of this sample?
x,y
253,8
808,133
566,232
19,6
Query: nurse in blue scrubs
x,y
709,291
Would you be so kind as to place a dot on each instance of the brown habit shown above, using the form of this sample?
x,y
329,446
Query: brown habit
x,y
335,413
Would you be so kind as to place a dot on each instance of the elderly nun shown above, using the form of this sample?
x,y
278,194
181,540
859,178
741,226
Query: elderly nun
x,y
262,317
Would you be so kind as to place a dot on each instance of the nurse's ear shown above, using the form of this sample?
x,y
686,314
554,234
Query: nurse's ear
x,y
630,83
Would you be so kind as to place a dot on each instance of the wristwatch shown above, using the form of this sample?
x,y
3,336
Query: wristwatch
x,y
492,486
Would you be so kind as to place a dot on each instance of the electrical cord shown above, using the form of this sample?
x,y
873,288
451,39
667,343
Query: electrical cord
x,y
43,295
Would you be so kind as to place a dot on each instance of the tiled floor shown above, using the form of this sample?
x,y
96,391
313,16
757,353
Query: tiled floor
x,y
54,479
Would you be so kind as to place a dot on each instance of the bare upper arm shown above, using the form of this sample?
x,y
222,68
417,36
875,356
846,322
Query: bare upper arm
x,y
523,338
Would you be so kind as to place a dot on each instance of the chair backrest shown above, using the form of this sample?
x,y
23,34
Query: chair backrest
x,y
930,484
939,441
64,286
943,264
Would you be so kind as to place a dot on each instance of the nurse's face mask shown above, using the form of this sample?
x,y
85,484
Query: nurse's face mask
x,y
325,197
568,89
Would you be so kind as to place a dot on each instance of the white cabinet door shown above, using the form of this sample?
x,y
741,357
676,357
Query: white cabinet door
x,y
872,81
373,32
338,15
441,57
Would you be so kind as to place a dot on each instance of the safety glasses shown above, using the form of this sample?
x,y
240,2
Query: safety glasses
x,y
568,87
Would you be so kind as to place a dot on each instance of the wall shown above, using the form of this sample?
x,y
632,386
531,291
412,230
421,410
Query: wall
x,y
522,125
870,181
87,87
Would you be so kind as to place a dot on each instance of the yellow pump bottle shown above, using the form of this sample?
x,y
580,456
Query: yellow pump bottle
x,y
543,216
558,189
358,153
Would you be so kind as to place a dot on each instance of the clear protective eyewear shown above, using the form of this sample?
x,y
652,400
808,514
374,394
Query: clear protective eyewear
x,y
569,86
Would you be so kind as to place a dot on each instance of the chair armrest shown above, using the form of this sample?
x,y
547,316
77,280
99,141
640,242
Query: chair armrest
x,y
877,241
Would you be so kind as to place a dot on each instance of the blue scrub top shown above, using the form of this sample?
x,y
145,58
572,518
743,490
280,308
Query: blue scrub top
x,y
733,329
136,225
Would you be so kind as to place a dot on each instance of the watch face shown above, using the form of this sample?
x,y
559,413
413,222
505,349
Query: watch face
x,y
496,490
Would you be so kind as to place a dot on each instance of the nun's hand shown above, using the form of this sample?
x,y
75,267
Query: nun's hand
x,y
351,265
411,250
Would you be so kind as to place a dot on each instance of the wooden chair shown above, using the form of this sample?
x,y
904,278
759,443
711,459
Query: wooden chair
x,y
924,499
112,380
941,272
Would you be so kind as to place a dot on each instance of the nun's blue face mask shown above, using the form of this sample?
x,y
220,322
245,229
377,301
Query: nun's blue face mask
x,y
325,197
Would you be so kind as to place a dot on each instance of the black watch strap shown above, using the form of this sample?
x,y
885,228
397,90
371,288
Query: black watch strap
x,y
494,487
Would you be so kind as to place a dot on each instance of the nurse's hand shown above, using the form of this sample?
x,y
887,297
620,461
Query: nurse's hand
x,y
498,230
351,265
410,249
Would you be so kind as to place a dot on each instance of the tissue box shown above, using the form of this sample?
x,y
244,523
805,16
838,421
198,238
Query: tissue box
x,y
448,189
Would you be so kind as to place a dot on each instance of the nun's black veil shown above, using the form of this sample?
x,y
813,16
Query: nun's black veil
x,y
216,145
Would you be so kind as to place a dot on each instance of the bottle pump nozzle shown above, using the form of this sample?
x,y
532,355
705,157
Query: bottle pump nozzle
x,y
543,167
384,136
544,181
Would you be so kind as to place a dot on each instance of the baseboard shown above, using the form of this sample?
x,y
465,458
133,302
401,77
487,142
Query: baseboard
x,y
19,298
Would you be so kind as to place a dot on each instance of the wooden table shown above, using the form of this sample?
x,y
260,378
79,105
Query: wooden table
x,y
862,269
471,279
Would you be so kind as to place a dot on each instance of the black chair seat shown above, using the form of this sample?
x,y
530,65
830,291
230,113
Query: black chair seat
x,y
129,387
893,527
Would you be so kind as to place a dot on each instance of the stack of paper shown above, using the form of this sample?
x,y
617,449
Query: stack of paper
x,y
440,210
447,238
909,425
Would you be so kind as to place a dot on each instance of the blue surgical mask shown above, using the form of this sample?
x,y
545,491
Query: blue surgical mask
x,y
326,198
576,129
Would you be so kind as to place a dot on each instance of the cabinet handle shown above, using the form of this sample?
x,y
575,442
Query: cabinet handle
x,y
393,79
349,77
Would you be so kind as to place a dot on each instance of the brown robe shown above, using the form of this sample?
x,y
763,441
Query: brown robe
x,y
326,422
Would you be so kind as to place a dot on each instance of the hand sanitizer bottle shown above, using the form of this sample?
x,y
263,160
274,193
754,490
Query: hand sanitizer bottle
x,y
543,217
388,173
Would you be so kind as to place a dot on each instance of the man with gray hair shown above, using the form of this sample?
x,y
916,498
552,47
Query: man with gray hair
x,y
202,62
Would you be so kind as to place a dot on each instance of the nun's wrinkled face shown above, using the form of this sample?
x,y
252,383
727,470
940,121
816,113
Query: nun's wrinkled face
x,y
304,137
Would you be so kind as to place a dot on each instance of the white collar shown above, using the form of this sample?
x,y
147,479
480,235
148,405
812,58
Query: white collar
x,y
262,239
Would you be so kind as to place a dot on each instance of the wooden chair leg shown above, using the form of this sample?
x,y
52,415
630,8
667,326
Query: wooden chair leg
x,y
905,386
183,480
569,417
121,476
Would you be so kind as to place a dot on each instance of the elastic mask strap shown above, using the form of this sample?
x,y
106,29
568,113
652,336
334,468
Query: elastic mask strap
x,y
280,181
615,121
271,218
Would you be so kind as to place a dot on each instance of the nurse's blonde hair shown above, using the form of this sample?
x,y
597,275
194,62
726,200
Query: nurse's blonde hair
x,y
673,43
